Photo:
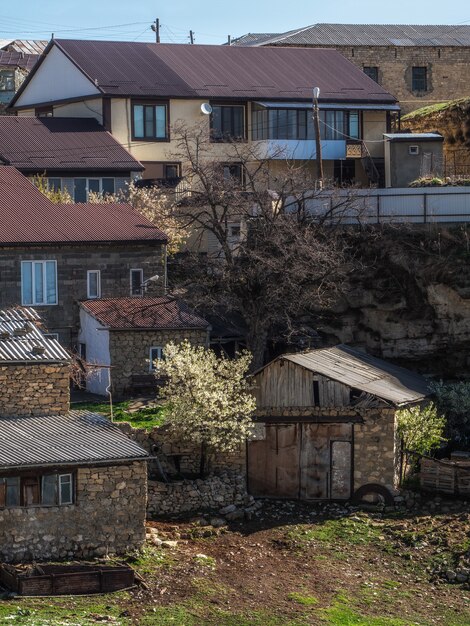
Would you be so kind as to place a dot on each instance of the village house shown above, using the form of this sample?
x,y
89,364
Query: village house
x,y
76,155
17,58
261,97
419,64
127,335
72,485
328,425
54,255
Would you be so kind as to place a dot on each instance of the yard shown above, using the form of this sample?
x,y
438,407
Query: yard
x,y
292,565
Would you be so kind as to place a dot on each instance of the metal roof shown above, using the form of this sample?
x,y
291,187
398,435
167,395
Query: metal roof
x,y
25,46
230,72
28,217
61,143
78,437
18,59
327,105
367,373
414,136
395,35
163,313
22,341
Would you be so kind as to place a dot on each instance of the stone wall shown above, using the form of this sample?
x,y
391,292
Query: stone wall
x,y
34,389
108,517
130,352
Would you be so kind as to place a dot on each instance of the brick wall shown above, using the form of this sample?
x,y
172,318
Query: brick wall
x,y
73,262
107,517
34,389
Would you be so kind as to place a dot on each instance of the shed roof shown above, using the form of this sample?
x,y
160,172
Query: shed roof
x,y
163,313
18,59
413,136
78,437
26,46
22,341
28,217
61,143
367,373
201,71
394,35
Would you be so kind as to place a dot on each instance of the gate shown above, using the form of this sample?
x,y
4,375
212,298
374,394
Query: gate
x,y
306,461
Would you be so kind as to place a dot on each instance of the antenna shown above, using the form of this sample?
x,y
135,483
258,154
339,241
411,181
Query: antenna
x,y
206,108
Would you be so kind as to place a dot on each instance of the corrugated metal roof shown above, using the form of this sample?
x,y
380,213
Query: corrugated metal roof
x,y
22,341
414,136
232,72
79,437
26,46
60,143
252,39
367,373
28,217
18,59
395,35
163,313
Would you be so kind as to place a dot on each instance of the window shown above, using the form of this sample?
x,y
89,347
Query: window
x,y
7,80
419,79
83,186
46,111
150,121
39,282
372,72
36,490
233,172
93,284
414,150
227,122
137,280
54,184
156,354
51,336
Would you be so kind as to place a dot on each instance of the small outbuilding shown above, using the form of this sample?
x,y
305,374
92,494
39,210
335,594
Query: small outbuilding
x,y
409,156
327,424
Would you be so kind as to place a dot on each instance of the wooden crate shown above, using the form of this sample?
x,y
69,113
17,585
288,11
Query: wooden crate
x,y
438,476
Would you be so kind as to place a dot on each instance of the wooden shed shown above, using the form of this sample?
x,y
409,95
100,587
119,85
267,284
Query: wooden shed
x,y
327,424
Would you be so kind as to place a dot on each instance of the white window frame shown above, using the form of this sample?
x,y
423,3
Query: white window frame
x,y
159,356
87,184
98,284
413,150
141,290
70,481
33,290
51,336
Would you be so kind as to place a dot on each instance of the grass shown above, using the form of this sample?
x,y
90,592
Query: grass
x,y
331,532
433,108
147,418
196,615
303,600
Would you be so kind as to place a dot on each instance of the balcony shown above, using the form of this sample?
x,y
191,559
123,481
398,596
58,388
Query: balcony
x,y
300,149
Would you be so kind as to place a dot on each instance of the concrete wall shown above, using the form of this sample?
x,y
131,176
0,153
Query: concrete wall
x,y
114,261
406,167
34,389
108,517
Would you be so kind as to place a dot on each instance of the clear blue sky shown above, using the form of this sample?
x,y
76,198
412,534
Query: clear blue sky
x,y
211,21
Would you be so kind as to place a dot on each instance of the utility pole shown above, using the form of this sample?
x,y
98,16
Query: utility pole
x,y
155,26
316,123
191,36
229,40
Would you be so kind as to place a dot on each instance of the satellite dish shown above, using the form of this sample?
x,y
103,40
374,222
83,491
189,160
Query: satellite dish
x,y
206,108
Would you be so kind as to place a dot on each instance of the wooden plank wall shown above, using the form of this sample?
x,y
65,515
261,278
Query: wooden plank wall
x,y
285,384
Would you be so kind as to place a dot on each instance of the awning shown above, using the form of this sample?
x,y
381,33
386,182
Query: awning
x,y
329,105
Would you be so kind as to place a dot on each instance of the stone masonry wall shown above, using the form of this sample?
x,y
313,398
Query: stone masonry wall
x,y
34,389
108,517
130,352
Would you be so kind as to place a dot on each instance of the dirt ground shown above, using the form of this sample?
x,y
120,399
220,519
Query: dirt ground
x,y
290,566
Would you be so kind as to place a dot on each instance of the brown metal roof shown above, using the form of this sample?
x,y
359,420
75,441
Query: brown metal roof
x,y
18,59
163,313
35,144
25,46
231,72
367,373
28,217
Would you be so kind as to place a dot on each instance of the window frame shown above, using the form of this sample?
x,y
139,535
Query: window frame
x,y
31,480
98,284
371,69
151,103
141,289
419,80
158,358
87,180
226,137
33,279
6,76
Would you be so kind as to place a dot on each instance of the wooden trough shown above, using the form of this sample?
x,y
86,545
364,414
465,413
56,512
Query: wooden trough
x,y
72,579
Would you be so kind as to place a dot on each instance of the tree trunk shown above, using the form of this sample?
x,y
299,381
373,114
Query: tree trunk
x,y
256,340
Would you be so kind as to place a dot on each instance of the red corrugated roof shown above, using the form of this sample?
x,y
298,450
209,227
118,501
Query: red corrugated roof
x,y
18,59
197,71
60,143
27,217
163,313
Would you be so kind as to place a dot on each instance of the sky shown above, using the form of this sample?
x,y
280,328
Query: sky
x,y
212,21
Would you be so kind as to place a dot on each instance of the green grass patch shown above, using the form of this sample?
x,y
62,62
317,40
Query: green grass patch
x,y
147,418
433,108
303,600
342,530
150,559
342,615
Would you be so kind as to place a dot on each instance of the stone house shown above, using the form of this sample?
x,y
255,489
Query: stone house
x,y
328,424
126,335
419,64
52,255
72,485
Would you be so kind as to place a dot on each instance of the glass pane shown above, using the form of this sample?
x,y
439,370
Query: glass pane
x,y
94,185
272,113
49,489
160,120
138,120
13,491
292,124
136,282
282,123
302,124
354,124
216,121
51,285
238,125
107,185
227,121
65,484
38,283
80,190
27,282
55,184
93,284
149,129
